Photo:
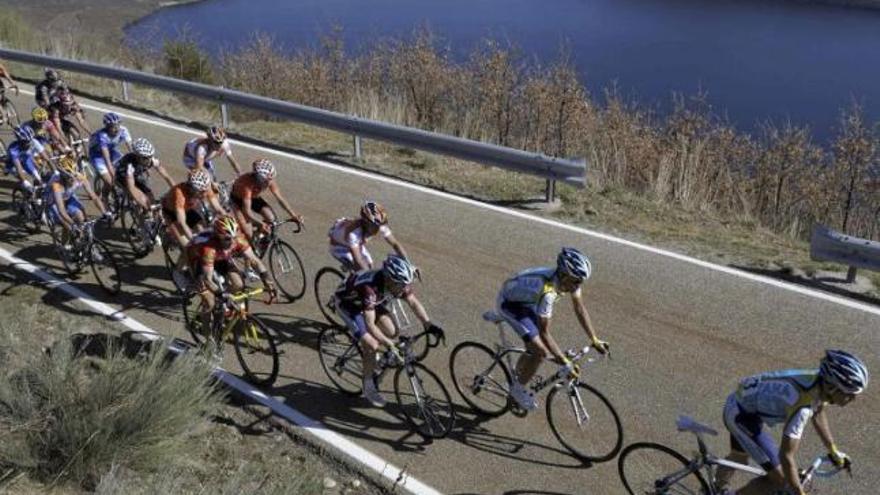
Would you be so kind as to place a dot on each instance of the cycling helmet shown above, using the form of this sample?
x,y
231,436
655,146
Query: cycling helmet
x,y
199,180
573,263
112,118
374,213
398,269
844,371
51,75
143,148
216,134
39,114
67,166
225,226
23,133
264,169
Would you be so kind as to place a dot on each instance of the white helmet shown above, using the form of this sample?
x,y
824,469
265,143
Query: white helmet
x,y
264,169
398,269
143,148
844,371
572,262
199,180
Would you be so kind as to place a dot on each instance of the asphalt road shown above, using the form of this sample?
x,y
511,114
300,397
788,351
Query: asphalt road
x,y
682,334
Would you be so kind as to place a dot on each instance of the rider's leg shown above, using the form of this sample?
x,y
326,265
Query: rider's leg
x,y
748,439
207,309
236,284
527,364
243,222
385,323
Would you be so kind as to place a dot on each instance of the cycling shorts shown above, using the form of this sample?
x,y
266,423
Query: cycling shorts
x,y
193,217
747,434
355,323
72,206
257,204
343,255
140,182
521,317
100,166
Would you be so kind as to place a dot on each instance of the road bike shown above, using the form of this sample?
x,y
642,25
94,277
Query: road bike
x,y
581,418
647,468
328,280
144,228
419,393
30,207
284,263
83,248
231,319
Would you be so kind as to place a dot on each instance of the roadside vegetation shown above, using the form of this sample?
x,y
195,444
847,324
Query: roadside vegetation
x,y
688,179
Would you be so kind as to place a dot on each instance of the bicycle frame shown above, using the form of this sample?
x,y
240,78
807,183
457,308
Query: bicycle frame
x,y
230,316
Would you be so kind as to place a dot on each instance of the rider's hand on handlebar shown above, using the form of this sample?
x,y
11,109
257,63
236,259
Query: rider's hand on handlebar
x,y
601,346
839,458
271,291
574,371
298,219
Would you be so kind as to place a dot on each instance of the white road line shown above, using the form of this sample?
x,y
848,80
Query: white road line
x,y
398,476
571,228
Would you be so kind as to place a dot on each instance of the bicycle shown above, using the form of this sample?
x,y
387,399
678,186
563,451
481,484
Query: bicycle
x,y
426,403
647,468
483,377
329,279
83,248
231,318
144,228
30,207
8,113
285,265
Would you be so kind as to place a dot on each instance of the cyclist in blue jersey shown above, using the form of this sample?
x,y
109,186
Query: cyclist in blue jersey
x,y
20,158
526,304
792,398
103,144
60,197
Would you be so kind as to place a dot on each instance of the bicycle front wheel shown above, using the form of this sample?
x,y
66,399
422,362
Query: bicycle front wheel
x,y
584,422
653,469
424,401
481,380
134,232
256,351
287,270
341,360
327,281
29,216
105,268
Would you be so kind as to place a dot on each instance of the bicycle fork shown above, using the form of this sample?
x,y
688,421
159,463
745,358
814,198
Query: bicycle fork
x,y
577,404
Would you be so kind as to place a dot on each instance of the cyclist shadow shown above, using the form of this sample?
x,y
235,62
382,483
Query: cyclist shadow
x,y
293,329
471,431
350,415
519,492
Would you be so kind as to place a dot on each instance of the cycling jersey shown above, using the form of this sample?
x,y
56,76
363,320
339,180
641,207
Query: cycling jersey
x,y
68,194
42,130
24,155
536,288
247,186
362,292
205,249
346,234
130,165
45,90
102,139
198,147
180,197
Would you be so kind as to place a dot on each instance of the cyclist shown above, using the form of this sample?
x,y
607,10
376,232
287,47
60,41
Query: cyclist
x,y
791,397
526,303
199,152
247,205
46,89
133,172
103,152
348,237
61,200
45,131
212,252
20,158
6,80
65,111
363,305
179,205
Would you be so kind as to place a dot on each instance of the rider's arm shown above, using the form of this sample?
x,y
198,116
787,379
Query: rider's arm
x,y
247,209
820,423
16,162
360,263
397,246
583,317
214,200
413,302
58,192
231,158
208,277
94,197
549,341
276,191
257,263
180,215
105,152
375,331
164,174
788,457
132,188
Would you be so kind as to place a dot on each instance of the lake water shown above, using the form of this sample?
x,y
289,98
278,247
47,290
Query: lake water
x,y
756,59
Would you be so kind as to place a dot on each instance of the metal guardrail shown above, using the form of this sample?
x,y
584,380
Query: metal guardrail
x,y
830,245
553,169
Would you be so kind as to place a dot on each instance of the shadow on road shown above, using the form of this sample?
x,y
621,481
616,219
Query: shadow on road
x,y
824,284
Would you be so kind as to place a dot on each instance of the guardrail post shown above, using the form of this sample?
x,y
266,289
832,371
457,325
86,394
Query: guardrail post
x,y
851,274
125,91
550,191
358,152
224,115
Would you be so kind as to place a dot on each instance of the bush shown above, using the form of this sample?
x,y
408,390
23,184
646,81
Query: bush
x,y
184,59
67,417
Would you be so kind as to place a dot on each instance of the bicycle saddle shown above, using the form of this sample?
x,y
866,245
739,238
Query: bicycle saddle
x,y
686,423
493,317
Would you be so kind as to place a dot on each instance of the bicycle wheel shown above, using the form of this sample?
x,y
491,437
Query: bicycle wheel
x,y
256,351
481,380
287,270
105,268
134,231
27,214
171,251
192,319
11,113
341,360
327,281
424,401
644,467
584,422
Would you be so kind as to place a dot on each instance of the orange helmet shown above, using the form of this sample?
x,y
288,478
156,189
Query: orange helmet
x,y
374,213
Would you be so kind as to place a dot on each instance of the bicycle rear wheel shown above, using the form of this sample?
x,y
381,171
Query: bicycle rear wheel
x,y
134,230
341,360
653,469
585,422
105,268
192,319
481,380
287,270
256,351
28,215
424,401
171,251
327,281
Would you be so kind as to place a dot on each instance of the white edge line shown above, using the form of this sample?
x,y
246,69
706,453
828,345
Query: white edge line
x,y
344,446
522,215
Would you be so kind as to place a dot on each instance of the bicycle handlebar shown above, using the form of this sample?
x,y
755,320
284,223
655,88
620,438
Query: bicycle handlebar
x,y
246,294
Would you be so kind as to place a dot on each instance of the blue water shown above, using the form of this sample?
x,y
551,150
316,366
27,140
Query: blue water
x,y
756,59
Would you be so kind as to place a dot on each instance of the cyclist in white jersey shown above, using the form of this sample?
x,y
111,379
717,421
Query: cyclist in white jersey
x,y
791,398
200,152
526,303
348,237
